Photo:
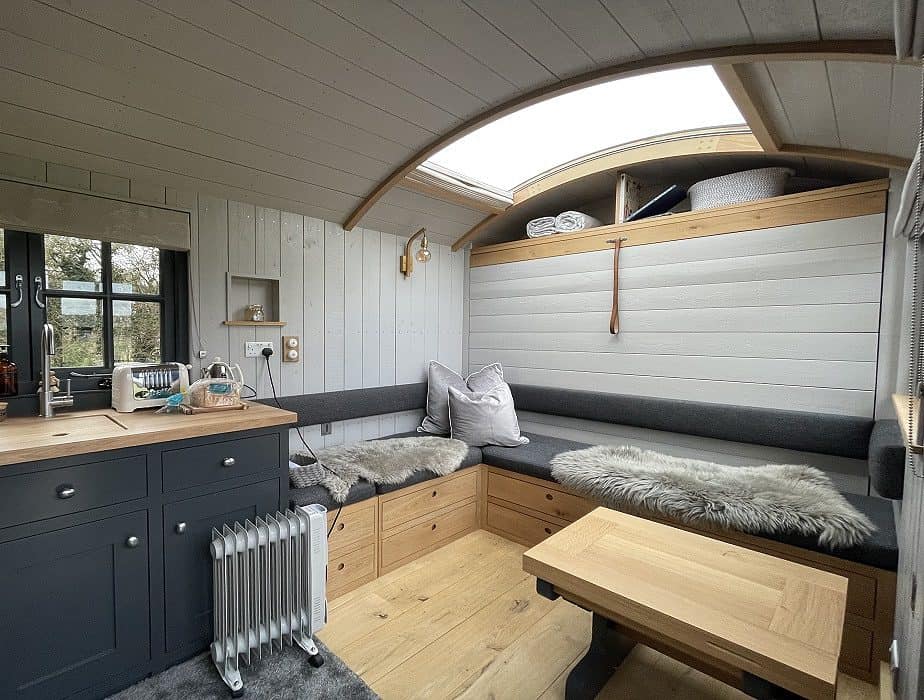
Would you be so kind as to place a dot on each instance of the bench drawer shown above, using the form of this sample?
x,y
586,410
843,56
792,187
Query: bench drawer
x,y
428,498
25,498
419,538
355,526
518,526
856,649
348,571
206,464
549,501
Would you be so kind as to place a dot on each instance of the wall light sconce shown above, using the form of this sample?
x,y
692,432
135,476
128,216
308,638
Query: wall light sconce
x,y
422,255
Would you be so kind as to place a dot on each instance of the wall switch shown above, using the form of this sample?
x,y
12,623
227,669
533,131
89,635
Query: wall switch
x,y
255,348
203,354
326,429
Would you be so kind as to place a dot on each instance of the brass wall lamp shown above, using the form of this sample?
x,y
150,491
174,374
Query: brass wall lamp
x,y
422,255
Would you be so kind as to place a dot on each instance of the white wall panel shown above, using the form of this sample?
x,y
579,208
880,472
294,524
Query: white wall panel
x,y
778,318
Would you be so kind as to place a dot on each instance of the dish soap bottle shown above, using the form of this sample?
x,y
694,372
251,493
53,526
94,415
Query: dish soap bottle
x,y
8,373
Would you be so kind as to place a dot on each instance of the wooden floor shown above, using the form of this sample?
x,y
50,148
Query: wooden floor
x,y
466,622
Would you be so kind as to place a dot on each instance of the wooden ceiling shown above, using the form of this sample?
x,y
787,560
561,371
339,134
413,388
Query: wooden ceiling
x,y
306,106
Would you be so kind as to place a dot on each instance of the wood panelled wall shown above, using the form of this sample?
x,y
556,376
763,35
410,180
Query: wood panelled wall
x,y
360,321
784,317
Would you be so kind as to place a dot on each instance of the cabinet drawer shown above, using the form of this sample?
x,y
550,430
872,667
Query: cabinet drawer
x,y
350,570
418,538
355,526
549,501
517,526
25,498
206,464
427,499
856,648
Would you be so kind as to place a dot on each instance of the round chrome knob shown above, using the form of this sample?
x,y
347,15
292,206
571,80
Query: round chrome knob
x,y
66,491
180,528
132,542
228,462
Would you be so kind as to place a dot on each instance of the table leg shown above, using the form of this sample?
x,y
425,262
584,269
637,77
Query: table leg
x,y
608,649
765,690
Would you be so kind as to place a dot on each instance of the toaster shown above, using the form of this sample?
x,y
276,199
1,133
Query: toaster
x,y
139,385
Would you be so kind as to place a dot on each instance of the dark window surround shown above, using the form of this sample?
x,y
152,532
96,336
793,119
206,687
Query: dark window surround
x,y
25,256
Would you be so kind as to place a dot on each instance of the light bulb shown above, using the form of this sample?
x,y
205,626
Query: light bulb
x,y
423,255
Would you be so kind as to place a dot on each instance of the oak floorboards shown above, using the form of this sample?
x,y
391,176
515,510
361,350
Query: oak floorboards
x,y
465,622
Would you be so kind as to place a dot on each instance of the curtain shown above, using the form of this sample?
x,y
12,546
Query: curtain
x,y
909,28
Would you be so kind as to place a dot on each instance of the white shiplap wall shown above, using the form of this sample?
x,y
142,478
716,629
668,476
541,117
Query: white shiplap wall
x,y
361,322
784,318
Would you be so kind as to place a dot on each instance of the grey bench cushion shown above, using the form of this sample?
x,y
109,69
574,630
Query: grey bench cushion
x,y
887,459
360,491
331,406
472,457
880,551
844,436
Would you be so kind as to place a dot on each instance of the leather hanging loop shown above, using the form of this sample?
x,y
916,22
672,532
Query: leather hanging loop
x,y
614,314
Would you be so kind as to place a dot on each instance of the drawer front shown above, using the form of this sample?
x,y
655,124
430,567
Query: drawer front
x,y
857,648
423,501
431,531
25,498
350,570
355,526
517,526
206,464
861,594
549,501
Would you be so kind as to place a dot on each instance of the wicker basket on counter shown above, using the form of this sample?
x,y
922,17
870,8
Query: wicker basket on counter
x,y
745,186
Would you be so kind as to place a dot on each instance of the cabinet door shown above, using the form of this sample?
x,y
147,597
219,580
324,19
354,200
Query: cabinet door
x,y
188,564
74,605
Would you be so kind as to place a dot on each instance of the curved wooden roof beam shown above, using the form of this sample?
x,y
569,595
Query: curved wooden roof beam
x,y
858,50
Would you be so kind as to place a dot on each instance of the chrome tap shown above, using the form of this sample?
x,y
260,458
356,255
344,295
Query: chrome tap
x,y
48,402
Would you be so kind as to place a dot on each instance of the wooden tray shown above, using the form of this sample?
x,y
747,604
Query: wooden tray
x,y
194,410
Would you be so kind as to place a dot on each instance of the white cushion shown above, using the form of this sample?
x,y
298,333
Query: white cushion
x,y
487,418
439,379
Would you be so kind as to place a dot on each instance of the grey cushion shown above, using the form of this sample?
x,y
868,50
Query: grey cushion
x,y
440,379
487,418
330,406
880,550
844,436
472,457
360,491
887,459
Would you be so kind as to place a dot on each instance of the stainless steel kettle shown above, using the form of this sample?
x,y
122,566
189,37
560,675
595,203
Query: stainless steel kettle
x,y
219,369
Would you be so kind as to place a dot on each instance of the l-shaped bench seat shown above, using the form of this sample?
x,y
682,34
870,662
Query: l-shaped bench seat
x,y
511,492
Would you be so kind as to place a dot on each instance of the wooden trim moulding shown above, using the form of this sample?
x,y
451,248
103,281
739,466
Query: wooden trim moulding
x,y
447,195
804,207
882,160
881,51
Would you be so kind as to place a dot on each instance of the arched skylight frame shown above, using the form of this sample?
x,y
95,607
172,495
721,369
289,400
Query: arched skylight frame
x,y
504,155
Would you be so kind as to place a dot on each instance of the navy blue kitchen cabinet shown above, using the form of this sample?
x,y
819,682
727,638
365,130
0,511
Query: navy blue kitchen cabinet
x,y
105,574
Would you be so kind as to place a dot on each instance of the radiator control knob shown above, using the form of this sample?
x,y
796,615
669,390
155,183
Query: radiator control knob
x,y
180,528
132,542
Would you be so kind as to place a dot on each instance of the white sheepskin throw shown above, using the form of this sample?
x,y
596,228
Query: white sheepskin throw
x,y
389,461
776,498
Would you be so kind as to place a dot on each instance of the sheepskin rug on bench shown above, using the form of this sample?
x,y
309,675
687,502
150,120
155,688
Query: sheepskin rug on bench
x,y
388,461
770,499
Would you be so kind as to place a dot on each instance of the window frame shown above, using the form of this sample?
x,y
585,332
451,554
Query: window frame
x,y
26,251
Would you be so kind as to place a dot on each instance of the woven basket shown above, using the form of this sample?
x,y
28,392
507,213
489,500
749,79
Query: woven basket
x,y
745,186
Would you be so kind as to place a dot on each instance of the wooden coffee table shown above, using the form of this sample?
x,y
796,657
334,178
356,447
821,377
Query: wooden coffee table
x,y
765,625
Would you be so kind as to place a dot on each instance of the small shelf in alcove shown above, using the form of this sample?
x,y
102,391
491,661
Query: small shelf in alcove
x,y
273,324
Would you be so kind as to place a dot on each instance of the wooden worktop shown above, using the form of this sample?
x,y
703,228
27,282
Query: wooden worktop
x,y
80,432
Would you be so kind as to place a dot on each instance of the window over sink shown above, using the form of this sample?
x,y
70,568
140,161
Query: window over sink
x,y
108,302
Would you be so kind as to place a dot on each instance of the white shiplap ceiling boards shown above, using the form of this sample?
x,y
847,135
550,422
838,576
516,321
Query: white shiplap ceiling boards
x,y
307,105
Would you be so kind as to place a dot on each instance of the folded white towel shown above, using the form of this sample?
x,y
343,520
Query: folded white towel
x,y
569,221
543,226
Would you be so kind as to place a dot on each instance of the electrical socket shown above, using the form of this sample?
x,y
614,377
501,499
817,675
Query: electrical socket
x,y
255,348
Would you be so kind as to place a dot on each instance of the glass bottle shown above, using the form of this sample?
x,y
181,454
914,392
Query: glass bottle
x,y
8,373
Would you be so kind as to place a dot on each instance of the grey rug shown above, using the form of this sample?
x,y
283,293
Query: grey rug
x,y
389,461
776,498
284,675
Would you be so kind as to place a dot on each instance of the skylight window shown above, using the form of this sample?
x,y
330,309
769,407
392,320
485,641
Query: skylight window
x,y
517,148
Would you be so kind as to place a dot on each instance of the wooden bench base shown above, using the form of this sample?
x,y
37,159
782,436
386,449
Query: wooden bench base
x,y
382,533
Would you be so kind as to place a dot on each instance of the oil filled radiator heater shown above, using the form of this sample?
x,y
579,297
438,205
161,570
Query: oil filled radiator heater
x,y
269,581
